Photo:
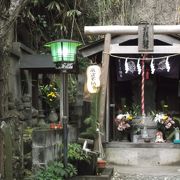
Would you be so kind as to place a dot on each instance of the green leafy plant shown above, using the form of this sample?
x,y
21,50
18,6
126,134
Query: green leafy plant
x,y
135,110
27,134
76,153
84,162
177,119
56,171
92,120
83,63
164,106
72,88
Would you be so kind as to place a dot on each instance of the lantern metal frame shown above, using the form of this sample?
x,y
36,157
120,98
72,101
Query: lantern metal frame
x,y
64,53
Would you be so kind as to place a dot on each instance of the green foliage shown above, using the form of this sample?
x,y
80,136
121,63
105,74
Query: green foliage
x,y
47,20
27,135
177,119
56,171
135,110
53,5
83,63
76,153
73,12
72,88
92,120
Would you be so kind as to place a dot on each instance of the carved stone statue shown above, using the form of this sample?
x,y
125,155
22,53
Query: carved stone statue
x,y
159,137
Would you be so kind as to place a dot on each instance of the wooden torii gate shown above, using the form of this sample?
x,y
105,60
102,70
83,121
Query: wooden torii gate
x,y
108,31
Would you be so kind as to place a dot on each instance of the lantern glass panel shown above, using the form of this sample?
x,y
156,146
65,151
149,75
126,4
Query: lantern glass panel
x,y
63,51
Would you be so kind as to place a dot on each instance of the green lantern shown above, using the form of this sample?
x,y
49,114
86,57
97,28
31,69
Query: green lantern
x,y
63,50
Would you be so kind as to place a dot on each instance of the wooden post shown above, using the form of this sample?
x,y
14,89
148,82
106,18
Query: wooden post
x,y
1,154
107,111
104,79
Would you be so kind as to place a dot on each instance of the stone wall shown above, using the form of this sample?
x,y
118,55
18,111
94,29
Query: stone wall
x,y
46,146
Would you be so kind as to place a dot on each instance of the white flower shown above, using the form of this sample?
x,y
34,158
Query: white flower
x,y
158,117
120,116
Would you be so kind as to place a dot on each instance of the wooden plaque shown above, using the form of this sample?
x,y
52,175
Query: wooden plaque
x,y
145,38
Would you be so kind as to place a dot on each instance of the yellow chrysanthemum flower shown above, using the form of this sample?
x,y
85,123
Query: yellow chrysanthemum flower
x,y
52,94
130,117
165,117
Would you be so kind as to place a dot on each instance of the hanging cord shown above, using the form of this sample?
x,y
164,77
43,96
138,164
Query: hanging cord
x,y
154,58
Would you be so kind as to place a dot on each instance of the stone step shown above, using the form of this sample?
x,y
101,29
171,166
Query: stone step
x,y
143,154
146,173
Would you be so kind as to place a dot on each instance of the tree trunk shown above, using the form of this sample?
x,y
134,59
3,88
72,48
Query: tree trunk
x,y
8,14
4,73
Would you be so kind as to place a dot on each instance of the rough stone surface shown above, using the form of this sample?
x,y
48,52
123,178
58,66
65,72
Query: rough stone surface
x,y
118,176
143,154
133,11
155,11
151,173
46,146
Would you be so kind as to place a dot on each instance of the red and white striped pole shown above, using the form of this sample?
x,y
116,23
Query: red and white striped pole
x,y
142,87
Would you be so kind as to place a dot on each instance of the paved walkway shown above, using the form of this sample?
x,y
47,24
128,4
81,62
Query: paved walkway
x,y
146,173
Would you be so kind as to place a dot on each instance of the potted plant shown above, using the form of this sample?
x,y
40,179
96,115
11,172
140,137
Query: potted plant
x,y
101,163
83,161
50,96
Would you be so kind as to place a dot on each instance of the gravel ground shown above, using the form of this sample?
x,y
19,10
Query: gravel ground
x,y
122,176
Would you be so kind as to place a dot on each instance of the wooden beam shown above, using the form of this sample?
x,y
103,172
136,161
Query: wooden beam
x,y
104,79
167,39
98,47
116,29
116,49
